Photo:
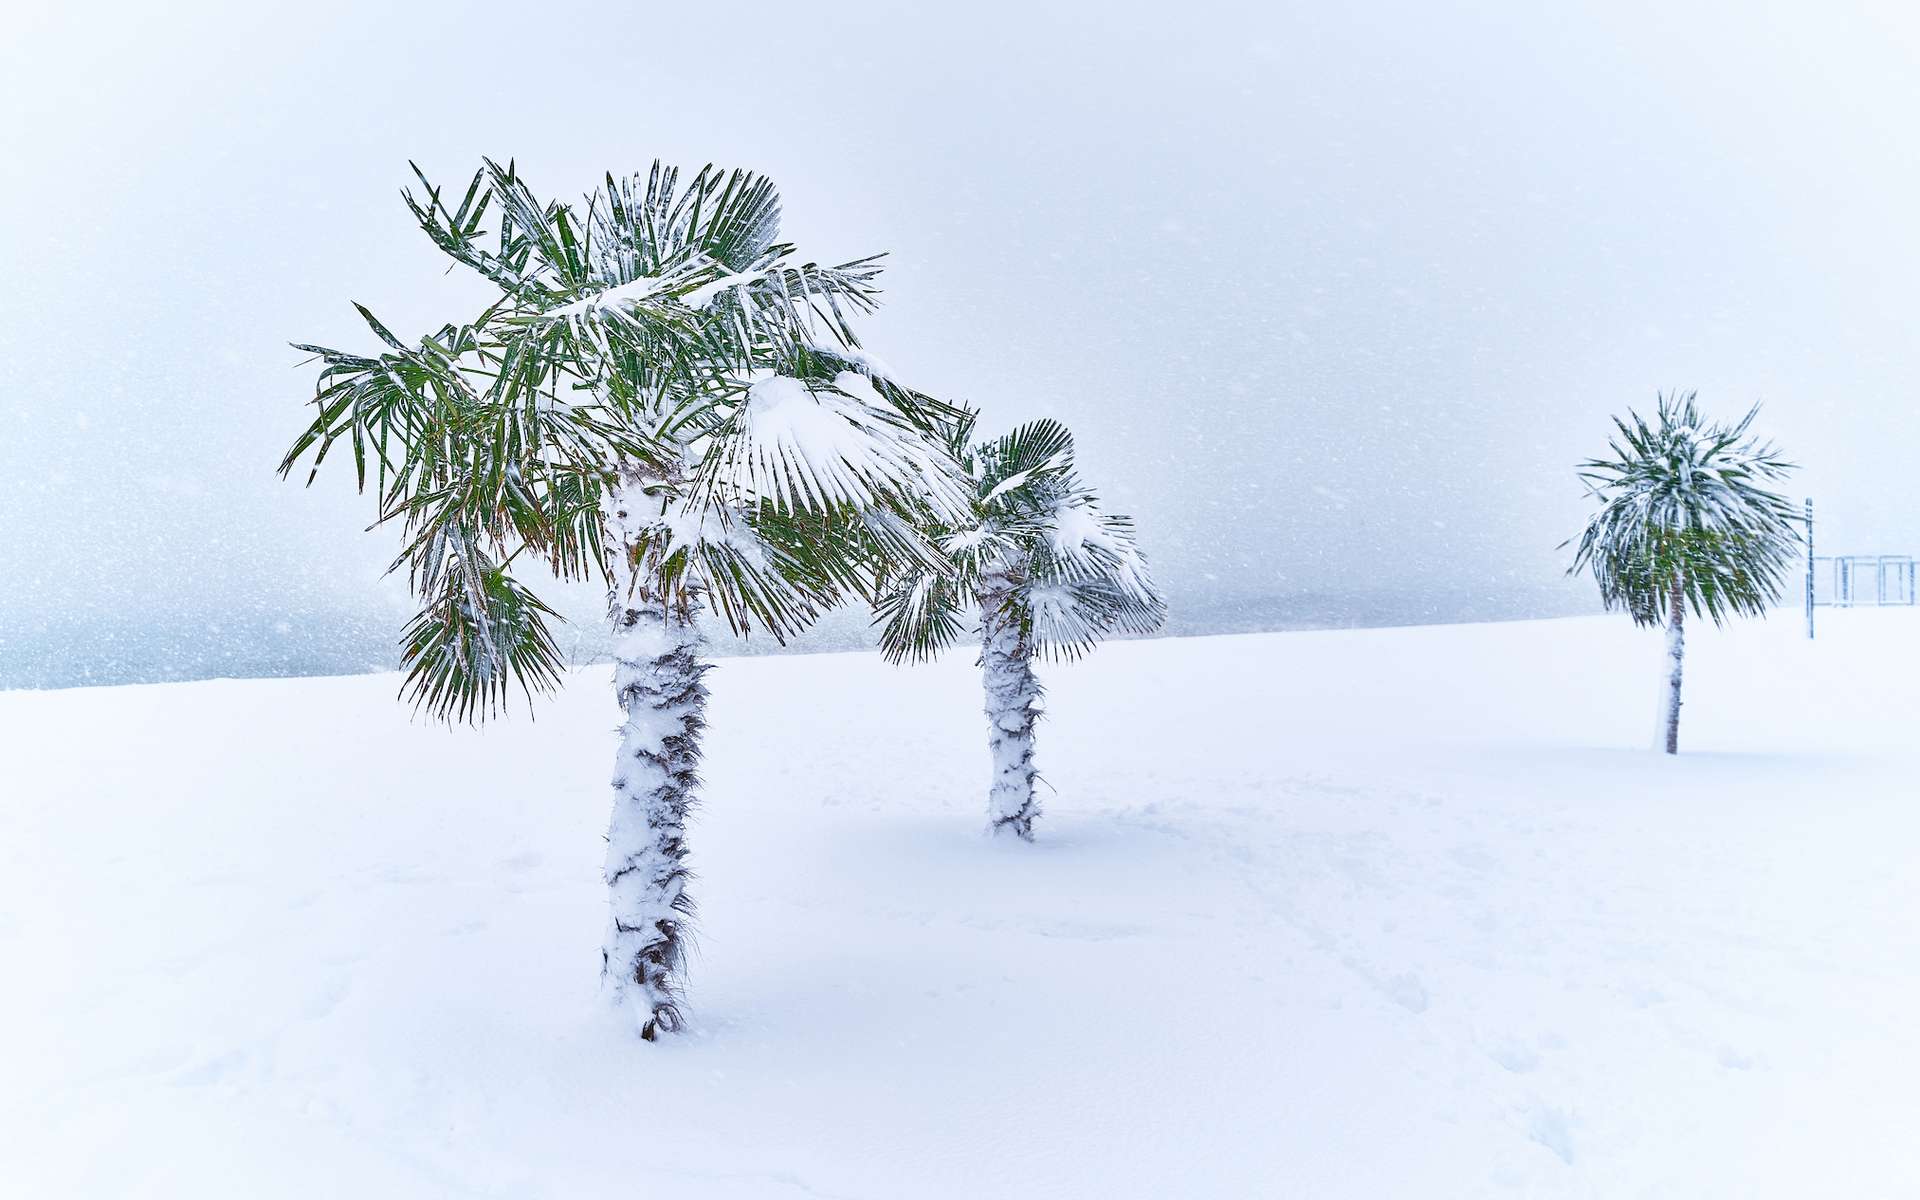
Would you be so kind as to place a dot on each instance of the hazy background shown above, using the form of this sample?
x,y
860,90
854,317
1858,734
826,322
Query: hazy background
x,y
1333,294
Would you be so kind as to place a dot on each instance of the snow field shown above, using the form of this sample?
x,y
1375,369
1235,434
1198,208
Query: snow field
x,y
1369,913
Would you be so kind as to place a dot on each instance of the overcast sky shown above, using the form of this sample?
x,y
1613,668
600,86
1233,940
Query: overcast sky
x,y
1334,295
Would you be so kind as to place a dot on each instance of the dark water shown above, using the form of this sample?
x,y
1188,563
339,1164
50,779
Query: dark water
x,y
93,649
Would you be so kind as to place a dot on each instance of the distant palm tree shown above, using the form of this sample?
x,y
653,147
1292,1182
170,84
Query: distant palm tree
x,y
1047,573
658,393
1685,519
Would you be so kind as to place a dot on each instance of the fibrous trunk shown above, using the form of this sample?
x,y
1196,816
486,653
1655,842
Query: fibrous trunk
x,y
1676,658
658,681
1013,705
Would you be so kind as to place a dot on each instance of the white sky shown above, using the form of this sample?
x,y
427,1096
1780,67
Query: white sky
x,y
1334,295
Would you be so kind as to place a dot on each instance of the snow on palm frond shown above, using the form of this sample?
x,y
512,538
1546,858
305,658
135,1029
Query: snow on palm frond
x,y
685,541
1076,572
805,443
1074,528
853,359
628,329
1089,598
919,613
963,542
1684,501
1066,617
477,634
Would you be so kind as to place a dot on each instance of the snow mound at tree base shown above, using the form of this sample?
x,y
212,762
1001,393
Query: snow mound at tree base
x,y
1369,913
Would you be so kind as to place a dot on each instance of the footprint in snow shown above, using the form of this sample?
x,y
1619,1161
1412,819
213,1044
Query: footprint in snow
x,y
1551,1128
1514,1056
1733,1060
323,1000
1407,991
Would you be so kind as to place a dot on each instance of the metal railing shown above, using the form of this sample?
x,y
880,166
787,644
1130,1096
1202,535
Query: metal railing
x,y
1863,580
1857,580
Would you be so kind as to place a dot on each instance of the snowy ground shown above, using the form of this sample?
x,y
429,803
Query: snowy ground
x,y
1368,914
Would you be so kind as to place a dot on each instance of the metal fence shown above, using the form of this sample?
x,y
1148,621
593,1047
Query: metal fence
x,y
1857,580
1863,580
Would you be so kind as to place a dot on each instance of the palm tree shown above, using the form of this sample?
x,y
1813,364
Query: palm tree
x,y
1685,519
1048,574
659,393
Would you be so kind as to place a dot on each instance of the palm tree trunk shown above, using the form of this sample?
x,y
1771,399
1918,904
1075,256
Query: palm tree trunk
x,y
1013,706
658,671
1676,659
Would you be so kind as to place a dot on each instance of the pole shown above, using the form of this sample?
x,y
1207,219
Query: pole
x,y
1809,511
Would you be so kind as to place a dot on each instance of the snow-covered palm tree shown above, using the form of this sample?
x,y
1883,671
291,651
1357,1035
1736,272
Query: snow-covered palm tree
x,y
658,392
1047,573
1686,520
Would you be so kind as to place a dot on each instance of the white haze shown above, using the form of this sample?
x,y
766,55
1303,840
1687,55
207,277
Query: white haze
x,y
1334,296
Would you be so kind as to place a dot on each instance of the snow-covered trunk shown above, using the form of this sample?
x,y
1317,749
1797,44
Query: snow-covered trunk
x,y
1013,705
1676,659
658,680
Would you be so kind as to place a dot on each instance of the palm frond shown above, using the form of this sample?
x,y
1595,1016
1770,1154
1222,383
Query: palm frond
x,y
806,444
1684,500
478,634
1075,573
630,334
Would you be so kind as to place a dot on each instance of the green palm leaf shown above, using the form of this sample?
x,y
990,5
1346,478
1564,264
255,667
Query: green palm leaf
x,y
1686,500
626,339
1077,572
